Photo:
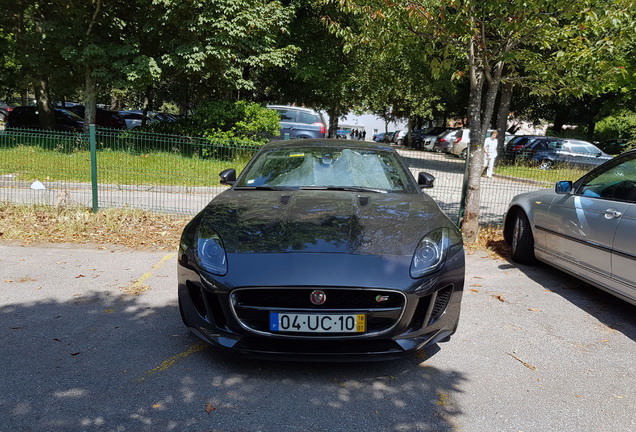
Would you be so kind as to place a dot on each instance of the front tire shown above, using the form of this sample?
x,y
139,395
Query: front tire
x,y
522,243
464,153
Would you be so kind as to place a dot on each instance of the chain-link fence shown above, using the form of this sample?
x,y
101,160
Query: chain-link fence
x,y
176,174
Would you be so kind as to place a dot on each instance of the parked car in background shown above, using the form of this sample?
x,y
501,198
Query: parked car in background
x,y
5,109
401,137
426,139
299,122
586,228
384,137
166,117
103,118
134,118
379,137
456,142
28,117
393,136
322,250
445,140
513,147
508,137
582,154
532,145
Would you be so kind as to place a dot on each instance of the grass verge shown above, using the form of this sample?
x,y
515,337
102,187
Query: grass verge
x,y
131,228
29,163
532,172
137,229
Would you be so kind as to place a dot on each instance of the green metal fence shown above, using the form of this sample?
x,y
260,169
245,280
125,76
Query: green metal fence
x,y
172,174
176,174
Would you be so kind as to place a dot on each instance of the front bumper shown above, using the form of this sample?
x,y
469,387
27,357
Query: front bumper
x,y
236,318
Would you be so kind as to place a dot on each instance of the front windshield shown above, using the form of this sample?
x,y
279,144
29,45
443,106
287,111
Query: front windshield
x,y
324,167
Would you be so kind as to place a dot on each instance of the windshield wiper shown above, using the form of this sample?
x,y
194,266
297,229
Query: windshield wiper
x,y
343,188
271,188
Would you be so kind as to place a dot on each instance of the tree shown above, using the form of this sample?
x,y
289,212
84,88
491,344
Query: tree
x,y
556,41
322,75
218,45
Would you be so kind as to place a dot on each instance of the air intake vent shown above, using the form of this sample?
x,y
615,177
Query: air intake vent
x,y
441,303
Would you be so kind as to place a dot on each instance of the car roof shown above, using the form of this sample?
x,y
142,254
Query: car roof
x,y
578,141
329,143
291,107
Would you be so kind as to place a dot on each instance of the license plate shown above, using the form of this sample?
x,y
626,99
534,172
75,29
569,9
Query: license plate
x,y
317,323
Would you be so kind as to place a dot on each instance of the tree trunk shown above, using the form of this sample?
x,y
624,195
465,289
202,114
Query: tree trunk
x,y
408,132
502,115
147,105
24,97
479,121
46,115
90,98
334,114
115,101
470,221
559,118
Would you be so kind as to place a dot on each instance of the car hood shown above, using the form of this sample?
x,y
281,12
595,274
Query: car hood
x,y
322,221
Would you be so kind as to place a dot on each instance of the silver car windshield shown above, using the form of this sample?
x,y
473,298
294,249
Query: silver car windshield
x,y
327,168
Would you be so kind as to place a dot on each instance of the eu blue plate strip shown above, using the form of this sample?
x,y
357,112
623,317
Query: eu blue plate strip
x,y
273,321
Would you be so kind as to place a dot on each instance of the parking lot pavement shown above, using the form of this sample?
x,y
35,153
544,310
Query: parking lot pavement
x,y
91,340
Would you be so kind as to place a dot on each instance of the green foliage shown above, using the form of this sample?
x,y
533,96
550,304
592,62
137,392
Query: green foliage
x,y
577,132
169,108
241,122
621,125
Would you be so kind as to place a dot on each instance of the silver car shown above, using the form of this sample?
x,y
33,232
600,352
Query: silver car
x,y
586,228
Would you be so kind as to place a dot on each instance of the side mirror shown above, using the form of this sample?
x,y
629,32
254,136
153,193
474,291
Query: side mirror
x,y
563,187
425,180
228,176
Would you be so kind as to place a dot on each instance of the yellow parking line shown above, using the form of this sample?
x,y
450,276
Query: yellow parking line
x,y
138,286
166,364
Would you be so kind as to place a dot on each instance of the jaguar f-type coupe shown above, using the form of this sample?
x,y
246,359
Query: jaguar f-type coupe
x,y
322,250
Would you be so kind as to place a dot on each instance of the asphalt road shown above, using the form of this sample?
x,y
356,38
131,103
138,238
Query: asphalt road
x,y
91,340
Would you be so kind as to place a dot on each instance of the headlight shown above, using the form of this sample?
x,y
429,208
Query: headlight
x,y
210,251
432,250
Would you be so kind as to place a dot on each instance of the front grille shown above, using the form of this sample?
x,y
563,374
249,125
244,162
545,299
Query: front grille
x,y
300,298
382,308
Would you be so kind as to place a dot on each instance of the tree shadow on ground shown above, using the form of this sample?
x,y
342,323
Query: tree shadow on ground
x,y
613,312
110,362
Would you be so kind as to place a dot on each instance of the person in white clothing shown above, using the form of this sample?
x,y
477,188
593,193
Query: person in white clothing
x,y
490,153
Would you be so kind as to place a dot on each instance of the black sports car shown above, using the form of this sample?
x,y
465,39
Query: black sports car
x,y
322,249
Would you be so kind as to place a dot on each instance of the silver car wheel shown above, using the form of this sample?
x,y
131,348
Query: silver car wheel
x,y
522,244
515,234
